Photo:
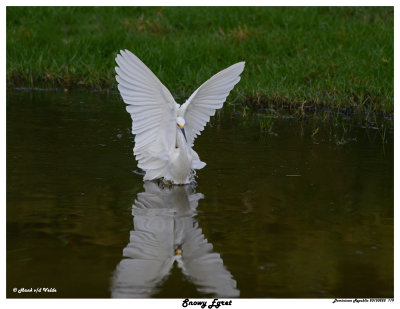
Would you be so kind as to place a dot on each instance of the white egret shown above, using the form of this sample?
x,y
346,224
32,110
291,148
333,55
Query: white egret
x,y
164,130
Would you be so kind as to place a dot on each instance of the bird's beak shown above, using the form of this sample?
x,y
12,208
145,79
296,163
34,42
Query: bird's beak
x,y
183,131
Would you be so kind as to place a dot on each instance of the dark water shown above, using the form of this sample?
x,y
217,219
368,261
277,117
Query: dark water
x,y
286,216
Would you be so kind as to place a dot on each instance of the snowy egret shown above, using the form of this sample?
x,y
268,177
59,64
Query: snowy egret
x,y
164,130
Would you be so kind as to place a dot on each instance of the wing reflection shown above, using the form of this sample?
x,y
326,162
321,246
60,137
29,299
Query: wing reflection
x,y
165,231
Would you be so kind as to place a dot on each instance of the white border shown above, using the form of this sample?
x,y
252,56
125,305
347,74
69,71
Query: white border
x,y
199,3
177,303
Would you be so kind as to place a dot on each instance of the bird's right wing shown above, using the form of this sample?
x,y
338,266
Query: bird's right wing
x,y
152,108
209,97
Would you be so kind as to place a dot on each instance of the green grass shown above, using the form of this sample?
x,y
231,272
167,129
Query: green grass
x,y
332,58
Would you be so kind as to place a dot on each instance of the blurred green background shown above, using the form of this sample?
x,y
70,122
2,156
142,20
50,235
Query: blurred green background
x,y
330,57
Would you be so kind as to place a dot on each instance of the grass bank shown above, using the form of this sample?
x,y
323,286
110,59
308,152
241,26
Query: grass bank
x,y
329,58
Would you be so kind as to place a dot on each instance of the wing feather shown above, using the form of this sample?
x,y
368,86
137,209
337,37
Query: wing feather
x,y
152,109
209,97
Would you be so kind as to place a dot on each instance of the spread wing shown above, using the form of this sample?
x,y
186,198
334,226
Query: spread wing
x,y
152,108
209,97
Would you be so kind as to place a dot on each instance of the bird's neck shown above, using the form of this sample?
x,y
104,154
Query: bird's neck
x,y
180,141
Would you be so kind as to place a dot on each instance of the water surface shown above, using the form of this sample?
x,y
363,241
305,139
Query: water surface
x,y
272,216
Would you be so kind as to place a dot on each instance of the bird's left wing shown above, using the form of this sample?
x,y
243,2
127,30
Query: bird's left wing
x,y
209,97
152,108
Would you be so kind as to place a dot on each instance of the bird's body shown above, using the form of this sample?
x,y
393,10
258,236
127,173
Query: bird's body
x,y
180,163
164,130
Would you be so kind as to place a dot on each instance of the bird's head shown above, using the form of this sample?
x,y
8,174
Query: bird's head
x,y
181,124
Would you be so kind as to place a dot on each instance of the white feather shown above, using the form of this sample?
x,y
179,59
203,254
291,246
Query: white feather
x,y
160,147
209,97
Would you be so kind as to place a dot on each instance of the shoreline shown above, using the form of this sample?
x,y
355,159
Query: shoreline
x,y
254,104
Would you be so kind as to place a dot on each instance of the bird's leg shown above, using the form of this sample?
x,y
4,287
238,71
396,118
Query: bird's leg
x,y
163,183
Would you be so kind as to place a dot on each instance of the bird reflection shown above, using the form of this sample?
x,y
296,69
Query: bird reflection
x,y
165,232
